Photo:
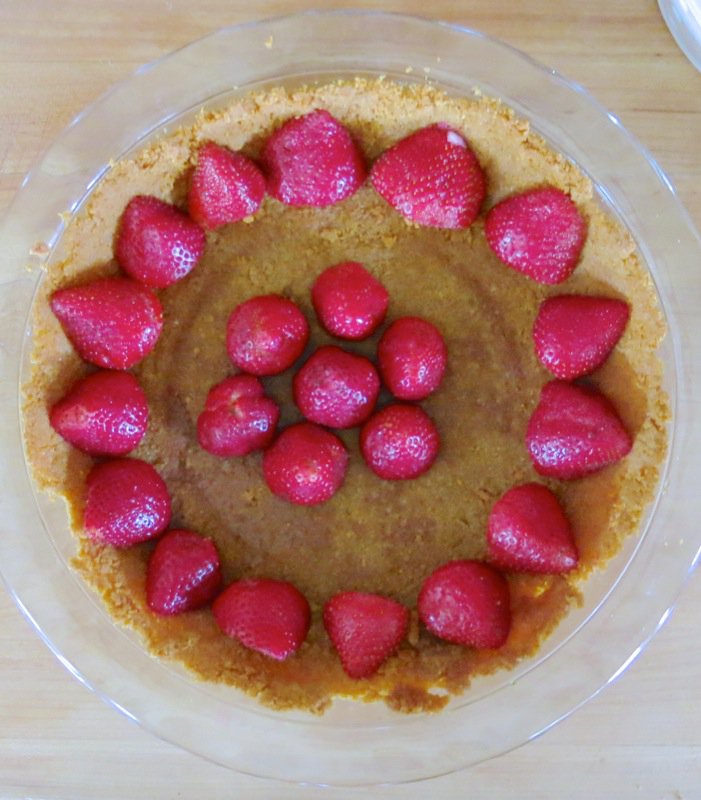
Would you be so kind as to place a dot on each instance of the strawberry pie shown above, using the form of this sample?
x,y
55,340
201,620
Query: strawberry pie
x,y
347,389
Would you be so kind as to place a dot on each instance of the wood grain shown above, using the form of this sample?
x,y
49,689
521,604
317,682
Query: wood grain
x,y
641,738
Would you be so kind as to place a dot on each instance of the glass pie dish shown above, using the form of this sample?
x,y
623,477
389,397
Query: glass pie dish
x,y
624,604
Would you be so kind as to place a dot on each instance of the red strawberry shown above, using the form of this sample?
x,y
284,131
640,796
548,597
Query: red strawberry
x,y
156,243
127,502
349,301
365,630
575,334
225,187
111,322
574,431
432,177
305,465
466,602
313,161
266,335
539,233
104,414
412,357
529,532
238,418
183,573
399,442
336,388
269,616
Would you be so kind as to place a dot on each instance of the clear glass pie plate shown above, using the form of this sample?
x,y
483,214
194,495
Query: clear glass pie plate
x,y
624,605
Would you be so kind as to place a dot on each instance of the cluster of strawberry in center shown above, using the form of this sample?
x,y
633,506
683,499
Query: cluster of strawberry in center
x,y
306,464
433,178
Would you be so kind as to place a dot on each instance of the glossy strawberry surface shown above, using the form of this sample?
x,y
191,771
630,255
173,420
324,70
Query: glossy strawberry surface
x,y
432,177
127,502
313,160
466,602
528,531
575,431
112,322
365,629
183,573
575,334
266,615
399,442
237,418
539,233
336,388
305,465
412,357
266,334
225,187
349,301
157,243
104,414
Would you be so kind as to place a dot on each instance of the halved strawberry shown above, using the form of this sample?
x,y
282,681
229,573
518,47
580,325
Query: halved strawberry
x,y
399,442
529,532
183,573
312,160
111,322
349,301
539,232
238,418
412,357
104,414
156,243
574,334
365,630
305,465
266,334
127,502
466,602
336,388
225,187
266,615
432,177
574,431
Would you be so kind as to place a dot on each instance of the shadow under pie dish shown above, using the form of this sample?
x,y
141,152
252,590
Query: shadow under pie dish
x,y
325,248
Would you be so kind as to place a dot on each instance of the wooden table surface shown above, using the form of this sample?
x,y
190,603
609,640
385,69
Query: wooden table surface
x,y
641,738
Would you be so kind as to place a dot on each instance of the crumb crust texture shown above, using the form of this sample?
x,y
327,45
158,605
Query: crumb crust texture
x,y
373,536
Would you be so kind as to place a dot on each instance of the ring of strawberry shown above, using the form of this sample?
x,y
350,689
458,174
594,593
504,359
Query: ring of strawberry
x,y
434,179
